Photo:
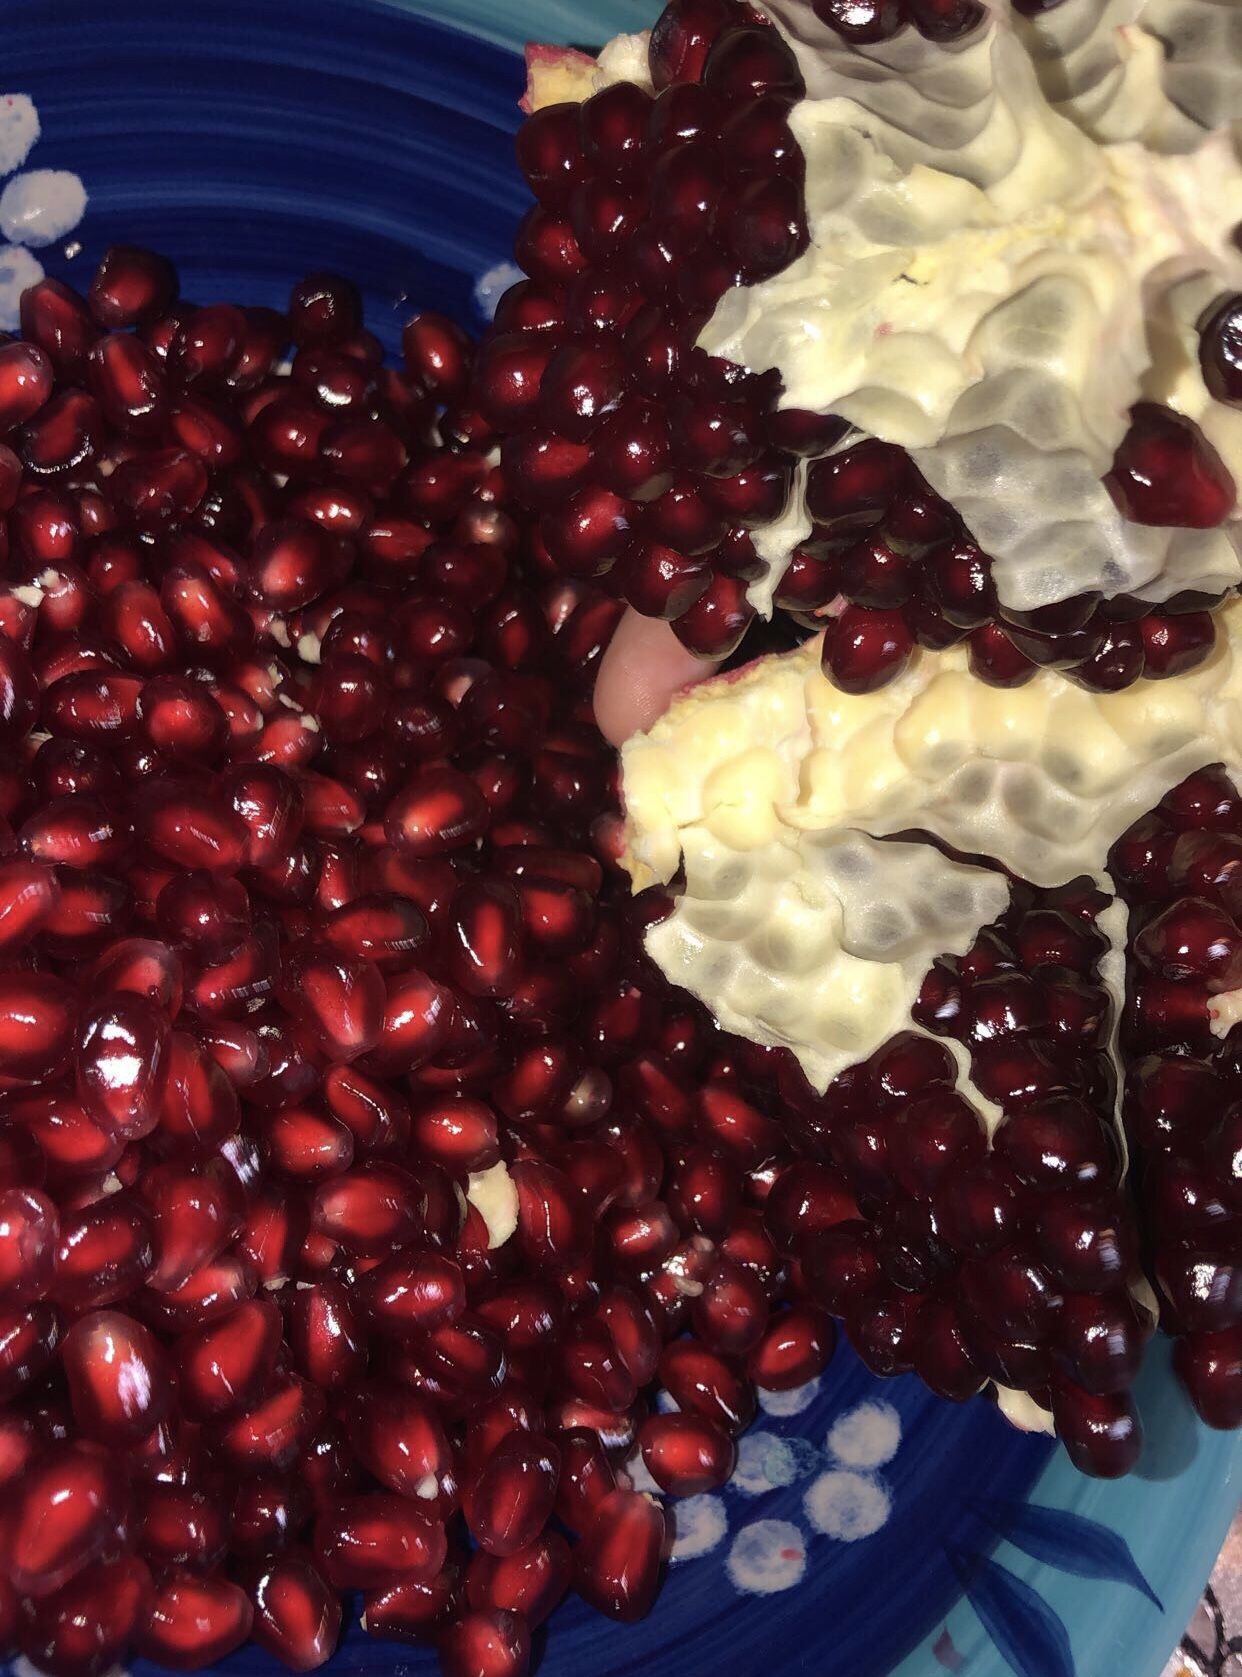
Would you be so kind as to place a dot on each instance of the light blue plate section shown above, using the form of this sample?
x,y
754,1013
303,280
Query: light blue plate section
x,y
876,1531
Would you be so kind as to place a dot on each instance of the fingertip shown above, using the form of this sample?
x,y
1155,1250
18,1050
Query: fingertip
x,y
643,668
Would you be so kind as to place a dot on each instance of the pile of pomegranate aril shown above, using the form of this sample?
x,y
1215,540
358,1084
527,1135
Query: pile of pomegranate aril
x,y
970,1259
1178,870
311,939
651,465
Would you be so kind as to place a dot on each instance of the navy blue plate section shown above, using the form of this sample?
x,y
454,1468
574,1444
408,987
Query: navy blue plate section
x,y
256,140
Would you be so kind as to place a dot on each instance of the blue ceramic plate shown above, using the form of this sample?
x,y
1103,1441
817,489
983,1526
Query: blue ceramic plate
x,y
872,1530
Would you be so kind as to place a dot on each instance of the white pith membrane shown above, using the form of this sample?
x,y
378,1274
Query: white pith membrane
x,y
772,793
1013,241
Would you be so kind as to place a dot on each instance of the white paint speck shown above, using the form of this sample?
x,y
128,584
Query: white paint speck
x,y
72,249
766,1462
700,1525
867,1436
847,1506
41,206
491,286
767,1557
782,1404
19,270
19,129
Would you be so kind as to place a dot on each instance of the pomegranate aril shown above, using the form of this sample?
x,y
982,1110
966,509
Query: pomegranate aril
x,y
618,1559
707,1384
270,1436
531,1581
28,1339
182,1526
1209,1365
796,1347
367,1541
86,1627
67,1508
411,1294
686,1454
267,1514
224,1366
194,1621
1166,472
400,1439
1102,1435
191,1218
297,1617
104,1253
209,1294
486,1643
29,1230
510,1497
120,1381
369,1210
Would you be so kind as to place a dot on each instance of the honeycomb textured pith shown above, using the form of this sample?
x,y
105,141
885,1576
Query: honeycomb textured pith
x,y
978,287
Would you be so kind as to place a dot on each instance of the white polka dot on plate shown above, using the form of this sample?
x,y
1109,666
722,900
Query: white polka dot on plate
x,y
782,1404
41,206
490,287
18,270
766,1462
19,129
700,1524
867,1436
767,1557
640,1475
847,1506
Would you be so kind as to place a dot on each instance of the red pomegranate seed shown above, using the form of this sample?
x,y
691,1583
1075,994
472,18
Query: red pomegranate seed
x,y
120,1382
84,1628
412,1293
367,1541
705,1383
297,1617
121,1062
195,1621
619,1556
181,1526
67,1509
29,1228
486,1643
796,1347
1167,472
510,1498
686,1454
399,1438
531,1581
226,1364
370,1210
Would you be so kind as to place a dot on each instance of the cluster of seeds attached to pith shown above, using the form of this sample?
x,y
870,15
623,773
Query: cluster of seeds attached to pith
x,y
334,1253
966,1259
651,465
1180,870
